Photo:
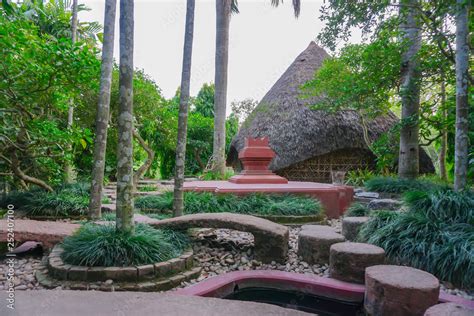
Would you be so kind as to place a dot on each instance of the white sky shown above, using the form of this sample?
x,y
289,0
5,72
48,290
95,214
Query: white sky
x,y
263,42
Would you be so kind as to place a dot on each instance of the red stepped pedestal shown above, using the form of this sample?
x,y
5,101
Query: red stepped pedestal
x,y
256,158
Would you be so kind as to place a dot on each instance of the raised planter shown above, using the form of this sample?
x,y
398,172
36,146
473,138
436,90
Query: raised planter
x,y
280,219
150,277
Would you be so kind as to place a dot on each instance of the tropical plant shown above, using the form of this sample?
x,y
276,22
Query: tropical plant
x,y
41,73
397,185
436,234
183,111
103,245
357,210
102,116
125,222
358,177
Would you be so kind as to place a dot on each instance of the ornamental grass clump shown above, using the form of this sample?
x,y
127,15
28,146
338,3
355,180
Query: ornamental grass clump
x,y
397,185
64,201
103,245
357,210
435,234
256,203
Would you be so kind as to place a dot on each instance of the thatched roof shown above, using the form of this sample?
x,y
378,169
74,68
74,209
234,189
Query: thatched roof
x,y
296,132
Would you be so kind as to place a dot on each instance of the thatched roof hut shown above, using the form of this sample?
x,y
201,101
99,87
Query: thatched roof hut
x,y
309,143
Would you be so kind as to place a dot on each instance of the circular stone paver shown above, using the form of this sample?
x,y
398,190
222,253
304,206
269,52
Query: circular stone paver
x,y
314,242
449,309
348,260
397,290
352,225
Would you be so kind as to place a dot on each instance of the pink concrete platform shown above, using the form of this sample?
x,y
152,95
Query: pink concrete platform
x,y
223,285
334,198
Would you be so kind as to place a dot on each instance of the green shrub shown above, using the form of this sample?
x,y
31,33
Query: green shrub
x,y
357,210
161,202
109,217
397,185
211,175
148,188
103,245
65,201
436,234
359,177
257,203
443,205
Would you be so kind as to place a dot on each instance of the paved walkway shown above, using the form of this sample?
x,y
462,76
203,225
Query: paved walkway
x,y
91,303
48,232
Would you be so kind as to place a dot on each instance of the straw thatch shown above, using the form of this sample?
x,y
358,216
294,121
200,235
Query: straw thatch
x,y
298,134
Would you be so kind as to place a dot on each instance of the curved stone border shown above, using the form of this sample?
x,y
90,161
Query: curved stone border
x,y
62,271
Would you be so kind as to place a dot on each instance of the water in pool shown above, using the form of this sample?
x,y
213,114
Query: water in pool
x,y
297,300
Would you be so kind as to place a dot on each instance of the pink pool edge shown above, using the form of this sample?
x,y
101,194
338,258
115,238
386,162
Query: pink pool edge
x,y
223,285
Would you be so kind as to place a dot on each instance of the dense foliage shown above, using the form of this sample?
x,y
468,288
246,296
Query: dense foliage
x,y
261,204
103,245
397,185
357,210
65,201
44,74
436,234
41,74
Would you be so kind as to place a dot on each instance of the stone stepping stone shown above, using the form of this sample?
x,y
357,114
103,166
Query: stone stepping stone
x,y
399,291
449,309
385,204
314,242
348,260
352,225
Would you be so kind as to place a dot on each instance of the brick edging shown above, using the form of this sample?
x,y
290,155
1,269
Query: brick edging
x,y
62,271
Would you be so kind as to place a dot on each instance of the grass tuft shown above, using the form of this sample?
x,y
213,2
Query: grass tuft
x,y
357,210
103,245
397,185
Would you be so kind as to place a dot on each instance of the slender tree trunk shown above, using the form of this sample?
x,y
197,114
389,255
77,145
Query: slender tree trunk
x,y
462,103
147,164
102,115
68,168
444,138
178,203
223,10
124,220
408,160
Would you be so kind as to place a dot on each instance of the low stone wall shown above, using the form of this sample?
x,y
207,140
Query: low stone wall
x,y
62,271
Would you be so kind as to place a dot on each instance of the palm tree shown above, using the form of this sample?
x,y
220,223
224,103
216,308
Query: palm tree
x,y
408,159
102,115
462,101
68,168
183,110
124,221
223,12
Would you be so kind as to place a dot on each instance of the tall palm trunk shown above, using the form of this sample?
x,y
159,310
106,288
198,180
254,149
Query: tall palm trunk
x,y
444,137
223,11
178,204
102,115
408,160
68,169
124,219
462,104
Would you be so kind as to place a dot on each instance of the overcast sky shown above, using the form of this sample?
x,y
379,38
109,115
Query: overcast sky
x,y
263,42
